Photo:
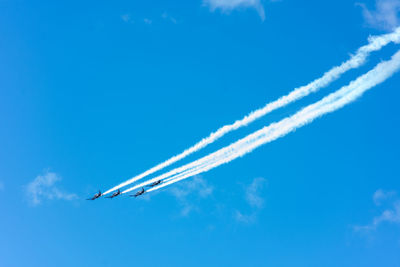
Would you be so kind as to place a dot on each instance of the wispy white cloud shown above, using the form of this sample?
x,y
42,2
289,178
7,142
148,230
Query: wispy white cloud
x,y
43,188
229,5
126,18
253,197
167,16
147,21
381,195
243,218
186,192
388,215
196,185
385,16
253,192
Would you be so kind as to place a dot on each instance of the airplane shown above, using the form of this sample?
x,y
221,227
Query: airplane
x,y
115,194
155,183
141,192
97,195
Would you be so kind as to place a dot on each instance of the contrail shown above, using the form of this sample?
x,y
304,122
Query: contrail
x,y
328,104
187,168
375,43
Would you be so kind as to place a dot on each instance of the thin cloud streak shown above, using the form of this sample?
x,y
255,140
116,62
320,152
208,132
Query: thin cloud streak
x,y
126,18
375,44
244,218
385,16
166,16
254,200
229,5
387,216
44,187
195,187
147,21
381,195
253,197
328,104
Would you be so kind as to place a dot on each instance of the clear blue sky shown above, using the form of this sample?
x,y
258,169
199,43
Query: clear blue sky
x,y
95,92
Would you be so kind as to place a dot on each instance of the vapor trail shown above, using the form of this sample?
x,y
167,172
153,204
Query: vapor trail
x,y
328,104
375,43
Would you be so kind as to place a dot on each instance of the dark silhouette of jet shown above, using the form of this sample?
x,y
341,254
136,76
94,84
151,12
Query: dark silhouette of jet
x,y
97,195
141,192
115,194
154,184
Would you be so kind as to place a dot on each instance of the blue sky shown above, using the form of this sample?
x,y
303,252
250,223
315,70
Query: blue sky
x,y
94,93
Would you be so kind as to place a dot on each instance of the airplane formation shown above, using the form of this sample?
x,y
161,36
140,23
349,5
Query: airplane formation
x,y
118,192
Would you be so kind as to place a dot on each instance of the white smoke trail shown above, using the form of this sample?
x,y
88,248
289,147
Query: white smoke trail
x,y
328,104
375,43
182,170
374,74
